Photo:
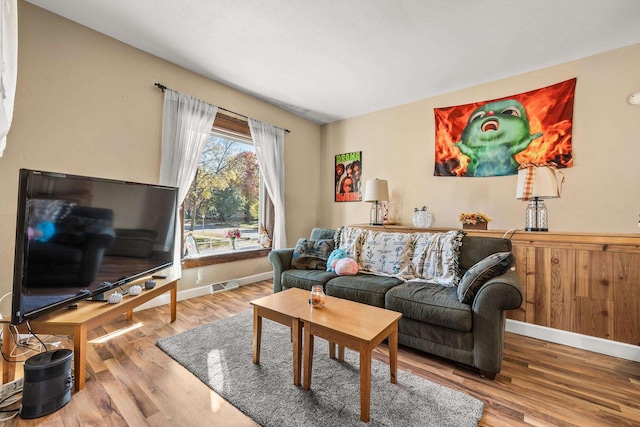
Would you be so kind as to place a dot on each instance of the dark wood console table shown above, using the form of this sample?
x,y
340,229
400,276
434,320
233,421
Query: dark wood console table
x,y
79,322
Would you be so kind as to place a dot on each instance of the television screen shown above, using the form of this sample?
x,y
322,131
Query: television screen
x,y
77,237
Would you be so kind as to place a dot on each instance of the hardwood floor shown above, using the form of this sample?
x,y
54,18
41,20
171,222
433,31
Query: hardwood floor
x,y
132,382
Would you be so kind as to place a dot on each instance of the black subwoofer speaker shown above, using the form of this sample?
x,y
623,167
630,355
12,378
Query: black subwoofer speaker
x,y
47,383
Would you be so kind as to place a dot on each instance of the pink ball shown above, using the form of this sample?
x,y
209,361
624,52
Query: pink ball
x,y
346,267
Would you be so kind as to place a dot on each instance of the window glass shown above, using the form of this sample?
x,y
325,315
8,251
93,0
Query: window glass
x,y
221,210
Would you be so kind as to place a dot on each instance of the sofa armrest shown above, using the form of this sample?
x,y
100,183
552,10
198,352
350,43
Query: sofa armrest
x,y
280,259
499,294
507,297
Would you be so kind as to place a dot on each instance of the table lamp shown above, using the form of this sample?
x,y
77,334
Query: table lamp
x,y
376,190
535,183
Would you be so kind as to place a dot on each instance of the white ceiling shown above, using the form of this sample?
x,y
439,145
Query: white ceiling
x,y
328,60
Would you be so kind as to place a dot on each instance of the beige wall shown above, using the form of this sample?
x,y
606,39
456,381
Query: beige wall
x,y
86,104
601,192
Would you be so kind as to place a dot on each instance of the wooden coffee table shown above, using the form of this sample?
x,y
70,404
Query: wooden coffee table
x,y
359,327
284,307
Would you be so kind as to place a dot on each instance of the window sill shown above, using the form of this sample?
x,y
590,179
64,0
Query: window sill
x,y
223,258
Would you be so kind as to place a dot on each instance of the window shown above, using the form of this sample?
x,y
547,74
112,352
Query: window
x,y
225,196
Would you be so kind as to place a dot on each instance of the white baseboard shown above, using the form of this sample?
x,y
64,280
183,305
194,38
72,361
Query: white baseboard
x,y
571,339
200,291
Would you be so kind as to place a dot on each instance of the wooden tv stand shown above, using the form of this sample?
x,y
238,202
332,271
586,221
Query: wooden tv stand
x,y
78,322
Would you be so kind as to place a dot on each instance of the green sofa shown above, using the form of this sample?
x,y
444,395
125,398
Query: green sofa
x,y
434,318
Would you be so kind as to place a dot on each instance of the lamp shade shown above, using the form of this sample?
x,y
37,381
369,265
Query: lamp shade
x,y
376,190
538,181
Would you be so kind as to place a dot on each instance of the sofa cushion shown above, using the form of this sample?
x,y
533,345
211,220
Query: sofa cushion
x,y
364,288
440,340
350,239
435,257
322,233
305,279
430,303
312,254
387,254
477,275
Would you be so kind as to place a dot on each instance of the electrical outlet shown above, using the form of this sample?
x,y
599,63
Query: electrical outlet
x,y
10,388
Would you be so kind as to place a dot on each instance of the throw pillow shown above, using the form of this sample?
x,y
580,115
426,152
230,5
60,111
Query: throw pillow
x,y
322,233
346,267
388,254
435,257
312,254
477,275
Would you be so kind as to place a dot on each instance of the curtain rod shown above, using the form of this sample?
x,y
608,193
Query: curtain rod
x,y
163,87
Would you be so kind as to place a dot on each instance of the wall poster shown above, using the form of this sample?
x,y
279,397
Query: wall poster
x,y
493,138
348,170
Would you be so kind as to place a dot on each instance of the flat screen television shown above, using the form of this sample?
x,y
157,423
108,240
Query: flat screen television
x,y
78,237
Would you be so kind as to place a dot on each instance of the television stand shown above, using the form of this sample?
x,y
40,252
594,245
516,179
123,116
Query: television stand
x,y
86,317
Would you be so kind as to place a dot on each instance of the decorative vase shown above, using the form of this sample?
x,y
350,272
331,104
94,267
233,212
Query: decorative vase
x,y
476,226
422,218
232,242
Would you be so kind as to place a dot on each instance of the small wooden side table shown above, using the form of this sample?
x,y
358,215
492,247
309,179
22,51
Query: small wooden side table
x,y
284,307
357,326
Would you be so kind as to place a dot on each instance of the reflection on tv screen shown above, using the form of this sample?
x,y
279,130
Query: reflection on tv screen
x,y
79,236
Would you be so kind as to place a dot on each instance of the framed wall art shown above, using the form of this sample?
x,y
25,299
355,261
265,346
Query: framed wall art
x,y
348,173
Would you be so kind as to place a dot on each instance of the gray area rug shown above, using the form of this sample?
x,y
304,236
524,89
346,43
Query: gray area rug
x,y
220,355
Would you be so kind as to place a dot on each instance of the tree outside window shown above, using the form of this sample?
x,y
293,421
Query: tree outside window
x,y
224,196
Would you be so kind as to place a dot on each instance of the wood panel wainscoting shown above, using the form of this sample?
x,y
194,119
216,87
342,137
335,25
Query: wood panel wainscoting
x,y
587,283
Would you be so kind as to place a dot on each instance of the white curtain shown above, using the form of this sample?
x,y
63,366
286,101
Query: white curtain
x,y
8,66
269,143
186,125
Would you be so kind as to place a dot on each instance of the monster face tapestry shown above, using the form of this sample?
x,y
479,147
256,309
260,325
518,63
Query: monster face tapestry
x,y
493,138
348,173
